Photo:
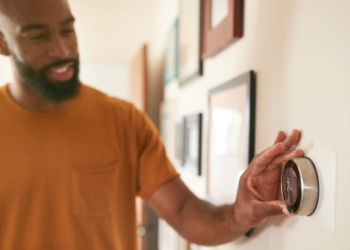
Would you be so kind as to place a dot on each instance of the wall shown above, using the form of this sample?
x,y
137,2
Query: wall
x,y
113,31
300,51
110,78
5,70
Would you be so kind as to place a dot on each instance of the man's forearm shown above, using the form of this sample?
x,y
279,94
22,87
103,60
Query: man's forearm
x,y
205,224
196,220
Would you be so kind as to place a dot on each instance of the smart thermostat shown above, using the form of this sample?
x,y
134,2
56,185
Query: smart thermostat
x,y
300,188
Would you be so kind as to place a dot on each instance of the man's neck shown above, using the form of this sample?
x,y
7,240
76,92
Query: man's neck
x,y
30,100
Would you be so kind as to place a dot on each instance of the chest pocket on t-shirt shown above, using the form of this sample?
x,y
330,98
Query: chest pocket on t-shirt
x,y
94,189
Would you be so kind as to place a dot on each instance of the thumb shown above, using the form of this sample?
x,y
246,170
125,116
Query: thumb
x,y
270,208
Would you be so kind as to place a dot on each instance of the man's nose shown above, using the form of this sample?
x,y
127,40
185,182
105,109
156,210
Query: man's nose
x,y
59,49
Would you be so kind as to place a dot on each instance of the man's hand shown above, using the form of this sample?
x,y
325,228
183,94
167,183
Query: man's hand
x,y
205,224
259,185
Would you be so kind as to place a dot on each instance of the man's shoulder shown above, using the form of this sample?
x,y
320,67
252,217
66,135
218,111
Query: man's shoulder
x,y
101,101
100,106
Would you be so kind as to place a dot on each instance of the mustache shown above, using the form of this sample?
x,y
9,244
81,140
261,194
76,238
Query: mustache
x,y
59,63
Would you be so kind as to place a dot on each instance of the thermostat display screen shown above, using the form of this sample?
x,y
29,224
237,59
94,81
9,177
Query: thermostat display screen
x,y
290,184
291,187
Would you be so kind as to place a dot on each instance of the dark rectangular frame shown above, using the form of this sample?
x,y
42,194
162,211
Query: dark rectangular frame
x,y
226,33
249,79
193,165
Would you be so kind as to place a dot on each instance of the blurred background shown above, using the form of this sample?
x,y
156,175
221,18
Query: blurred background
x,y
300,52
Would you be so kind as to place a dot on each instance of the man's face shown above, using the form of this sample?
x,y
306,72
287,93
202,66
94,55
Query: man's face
x,y
39,35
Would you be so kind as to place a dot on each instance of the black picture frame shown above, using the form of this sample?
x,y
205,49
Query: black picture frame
x,y
193,144
236,99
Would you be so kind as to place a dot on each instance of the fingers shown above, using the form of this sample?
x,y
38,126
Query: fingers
x,y
287,156
285,211
281,136
271,167
284,157
265,158
292,139
274,154
270,208
270,153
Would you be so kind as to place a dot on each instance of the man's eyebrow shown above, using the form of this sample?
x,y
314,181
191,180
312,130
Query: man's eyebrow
x,y
43,26
68,20
32,27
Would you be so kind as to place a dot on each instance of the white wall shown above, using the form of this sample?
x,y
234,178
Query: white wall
x,y
113,30
300,51
5,71
110,78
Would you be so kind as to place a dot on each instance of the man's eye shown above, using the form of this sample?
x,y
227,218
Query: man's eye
x,y
69,31
36,37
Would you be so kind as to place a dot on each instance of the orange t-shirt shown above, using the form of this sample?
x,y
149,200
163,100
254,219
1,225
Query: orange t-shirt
x,y
68,179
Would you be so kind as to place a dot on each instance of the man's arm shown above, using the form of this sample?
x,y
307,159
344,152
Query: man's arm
x,y
196,220
205,224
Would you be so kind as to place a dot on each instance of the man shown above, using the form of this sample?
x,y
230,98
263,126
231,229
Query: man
x,y
72,160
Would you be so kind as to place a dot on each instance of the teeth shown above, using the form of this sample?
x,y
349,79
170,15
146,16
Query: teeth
x,y
61,70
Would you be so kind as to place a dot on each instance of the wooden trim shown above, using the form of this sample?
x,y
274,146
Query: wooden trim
x,y
227,32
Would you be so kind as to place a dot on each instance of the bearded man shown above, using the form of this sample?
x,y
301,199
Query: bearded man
x,y
72,160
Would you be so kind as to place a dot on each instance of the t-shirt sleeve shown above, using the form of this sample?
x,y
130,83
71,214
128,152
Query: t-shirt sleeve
x,y
154,168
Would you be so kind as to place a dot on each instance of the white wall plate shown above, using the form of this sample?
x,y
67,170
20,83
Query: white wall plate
x,y
326,165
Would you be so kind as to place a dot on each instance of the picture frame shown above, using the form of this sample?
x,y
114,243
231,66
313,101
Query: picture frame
x,y
167,126
190,41
171,60
179,140
222,25
193,144
231,124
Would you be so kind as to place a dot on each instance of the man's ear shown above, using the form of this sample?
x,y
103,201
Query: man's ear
x,y
3,45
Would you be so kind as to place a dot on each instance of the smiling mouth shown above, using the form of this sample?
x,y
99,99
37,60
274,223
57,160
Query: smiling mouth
x,y
61,73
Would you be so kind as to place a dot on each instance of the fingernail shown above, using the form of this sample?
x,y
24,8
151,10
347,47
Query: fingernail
x,y
300,151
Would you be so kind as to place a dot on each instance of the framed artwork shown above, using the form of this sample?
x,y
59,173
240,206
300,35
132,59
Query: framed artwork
x,y
231,136
167,126
171,63
222,25
179,140
190,62
193,144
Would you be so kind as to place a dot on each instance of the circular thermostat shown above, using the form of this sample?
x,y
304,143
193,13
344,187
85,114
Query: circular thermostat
x,y
299,184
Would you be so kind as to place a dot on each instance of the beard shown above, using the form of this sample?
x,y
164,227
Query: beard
x,y
38,81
